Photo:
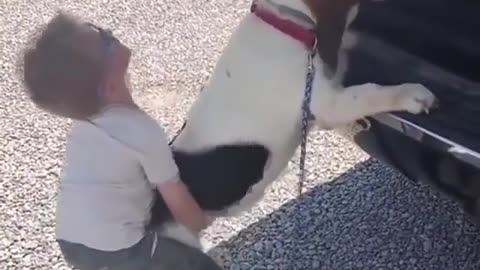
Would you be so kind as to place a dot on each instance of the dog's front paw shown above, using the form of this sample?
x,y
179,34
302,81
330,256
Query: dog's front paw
x,y
416,98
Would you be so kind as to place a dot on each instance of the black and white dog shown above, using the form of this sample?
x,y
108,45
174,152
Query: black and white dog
x,y
244,127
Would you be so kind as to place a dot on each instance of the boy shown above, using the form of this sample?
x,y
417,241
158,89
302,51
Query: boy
x,y
115,155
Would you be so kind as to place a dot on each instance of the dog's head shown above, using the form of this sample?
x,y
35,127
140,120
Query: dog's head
x,y
332,19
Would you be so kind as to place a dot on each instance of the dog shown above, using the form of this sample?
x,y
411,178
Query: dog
x,y
244,127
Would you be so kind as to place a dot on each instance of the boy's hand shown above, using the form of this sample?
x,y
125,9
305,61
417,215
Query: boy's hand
x,y
183,206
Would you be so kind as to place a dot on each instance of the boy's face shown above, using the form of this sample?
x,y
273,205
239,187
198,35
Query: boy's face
x,y
111,54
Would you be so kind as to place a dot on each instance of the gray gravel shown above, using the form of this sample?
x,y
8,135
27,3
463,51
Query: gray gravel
x,y
355,214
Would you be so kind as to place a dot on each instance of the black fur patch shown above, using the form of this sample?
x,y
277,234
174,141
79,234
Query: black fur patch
x,y
217,178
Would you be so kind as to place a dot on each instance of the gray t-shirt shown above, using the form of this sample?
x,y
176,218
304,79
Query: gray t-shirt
x,y
112,164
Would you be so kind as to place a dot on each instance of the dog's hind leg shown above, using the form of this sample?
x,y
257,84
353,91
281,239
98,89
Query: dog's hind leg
x,y
356,102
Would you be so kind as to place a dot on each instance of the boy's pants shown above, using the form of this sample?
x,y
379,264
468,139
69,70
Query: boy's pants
x,y
168,254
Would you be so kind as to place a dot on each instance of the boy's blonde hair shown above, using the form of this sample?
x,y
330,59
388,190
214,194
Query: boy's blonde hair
x,y
59,77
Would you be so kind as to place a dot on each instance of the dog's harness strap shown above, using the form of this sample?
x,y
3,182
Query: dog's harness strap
x,y
178,133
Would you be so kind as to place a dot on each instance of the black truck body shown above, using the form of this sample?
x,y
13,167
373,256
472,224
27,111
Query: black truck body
x,y
436,43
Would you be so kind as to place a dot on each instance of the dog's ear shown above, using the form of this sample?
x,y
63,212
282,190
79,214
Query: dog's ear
x,y
331,18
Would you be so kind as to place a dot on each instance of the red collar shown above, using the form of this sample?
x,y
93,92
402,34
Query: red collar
x,y
303,34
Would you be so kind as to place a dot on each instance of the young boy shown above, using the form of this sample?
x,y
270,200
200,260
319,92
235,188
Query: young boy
x,y
116,154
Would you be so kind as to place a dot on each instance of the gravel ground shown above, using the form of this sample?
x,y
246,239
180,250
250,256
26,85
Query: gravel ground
x,y
355,214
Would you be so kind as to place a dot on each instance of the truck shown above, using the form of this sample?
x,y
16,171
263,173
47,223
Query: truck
x,y
436,43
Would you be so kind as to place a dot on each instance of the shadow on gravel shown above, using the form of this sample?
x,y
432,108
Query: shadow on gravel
x,y
368,218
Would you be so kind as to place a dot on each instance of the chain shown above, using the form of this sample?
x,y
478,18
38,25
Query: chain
x,y
306,118
306,115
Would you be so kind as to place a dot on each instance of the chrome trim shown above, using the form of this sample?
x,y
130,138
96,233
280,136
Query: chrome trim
x,y
419,134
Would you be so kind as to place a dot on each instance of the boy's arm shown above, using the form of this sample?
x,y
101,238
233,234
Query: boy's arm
x,y
162,171
182,205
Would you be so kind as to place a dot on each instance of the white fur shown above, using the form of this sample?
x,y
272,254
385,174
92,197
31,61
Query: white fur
x,y
256,91
180,233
